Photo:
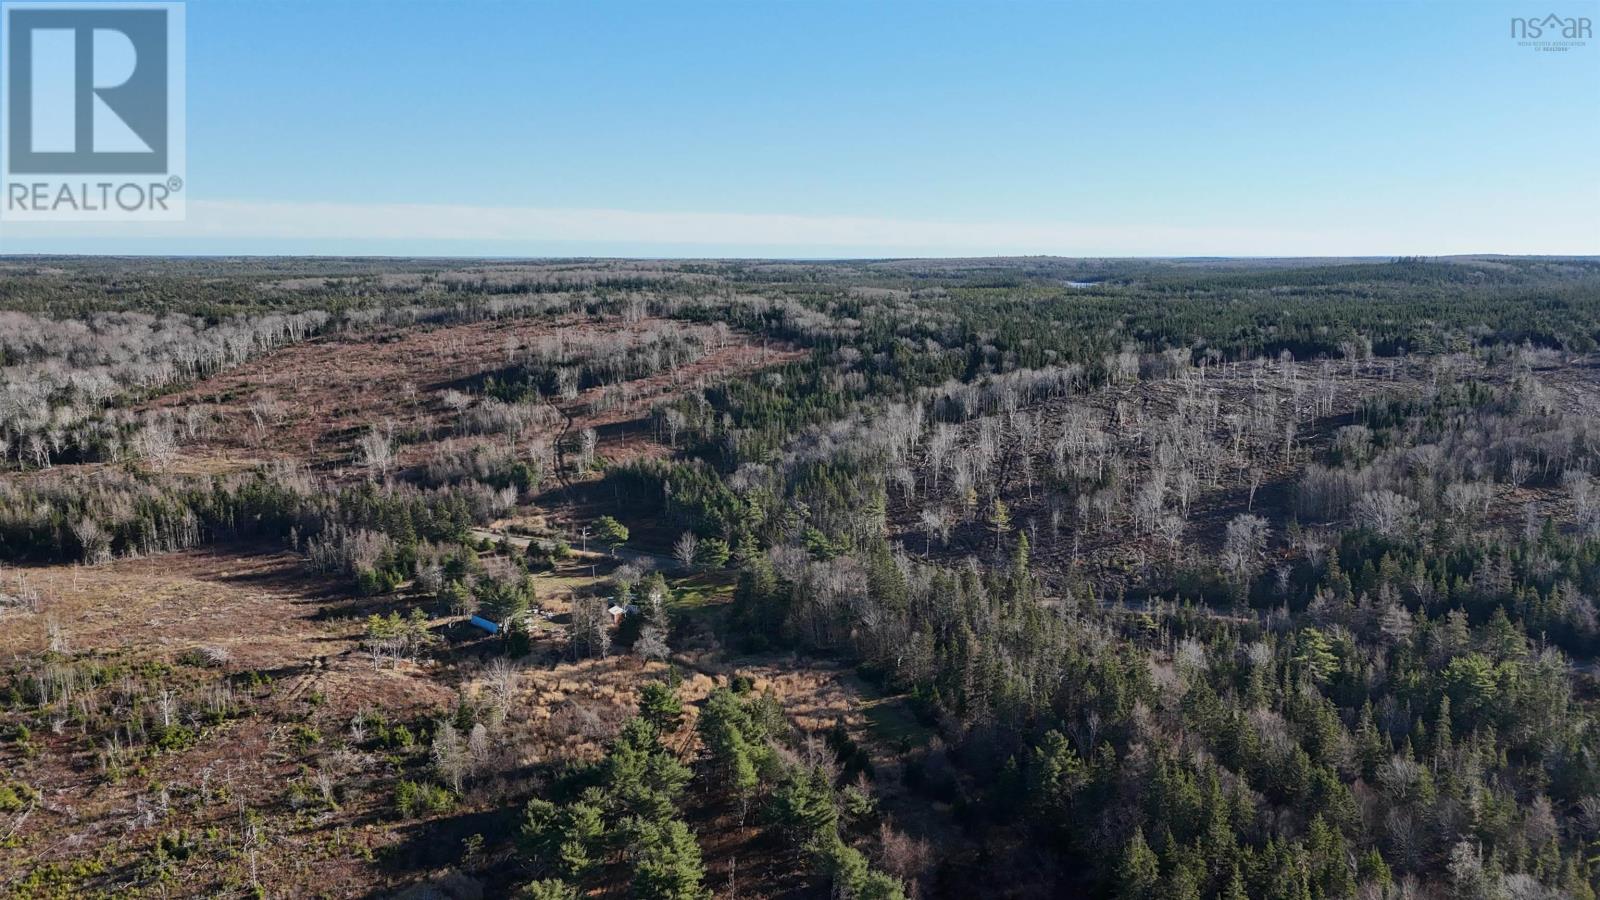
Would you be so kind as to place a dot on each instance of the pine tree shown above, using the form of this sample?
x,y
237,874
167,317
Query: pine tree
x,y
639,777
1235,889
547,889
1314,655
1326,849
540,835
1139,875
582,832
724,725
712,553
1574,882
660,707
1442,741
803,807
611,532
1218,846
1373,870
562,839
1181,885
1019,559
669,865
1371,748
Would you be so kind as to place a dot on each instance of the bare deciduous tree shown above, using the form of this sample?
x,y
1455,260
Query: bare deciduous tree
x,y
375,450
684,549
1244,547
1386,512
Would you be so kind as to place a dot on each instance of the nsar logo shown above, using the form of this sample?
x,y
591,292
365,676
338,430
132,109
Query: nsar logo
x,y
1552,33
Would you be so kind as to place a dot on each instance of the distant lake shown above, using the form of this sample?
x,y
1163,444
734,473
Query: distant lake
x,y
1083,284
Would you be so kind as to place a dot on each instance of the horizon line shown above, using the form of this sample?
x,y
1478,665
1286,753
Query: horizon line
x,y
497,257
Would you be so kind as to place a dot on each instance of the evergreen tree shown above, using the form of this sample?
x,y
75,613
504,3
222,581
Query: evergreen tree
x,y
660,707
725,728
1372,750
1443,743
547,889
999,521
1235,888
712,553
669,865
610,532
802,805
1373,870
1139,875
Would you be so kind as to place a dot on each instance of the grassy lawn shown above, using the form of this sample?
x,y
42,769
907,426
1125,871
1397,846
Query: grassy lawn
x,y
702,589
889,717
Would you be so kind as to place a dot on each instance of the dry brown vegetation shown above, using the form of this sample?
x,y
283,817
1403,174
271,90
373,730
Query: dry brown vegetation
x,y
302,708
244,802
283,646
286,792
311,401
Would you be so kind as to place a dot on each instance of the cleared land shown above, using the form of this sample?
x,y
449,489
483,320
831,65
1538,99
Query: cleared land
x,y
288,788
310,402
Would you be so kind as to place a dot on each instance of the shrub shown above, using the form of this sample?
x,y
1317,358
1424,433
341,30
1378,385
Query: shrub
x,y
413,798
14,795
174,737
305,737
548,889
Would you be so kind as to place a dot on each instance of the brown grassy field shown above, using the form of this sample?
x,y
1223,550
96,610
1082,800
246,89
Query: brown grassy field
x,y
231,802
289,793
310,401
215,726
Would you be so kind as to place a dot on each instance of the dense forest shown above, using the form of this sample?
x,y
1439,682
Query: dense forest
x,y
1192,578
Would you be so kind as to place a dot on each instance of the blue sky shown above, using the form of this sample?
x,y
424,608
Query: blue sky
x,y
877,129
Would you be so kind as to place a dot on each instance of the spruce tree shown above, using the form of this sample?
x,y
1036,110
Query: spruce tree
x,y
1139,875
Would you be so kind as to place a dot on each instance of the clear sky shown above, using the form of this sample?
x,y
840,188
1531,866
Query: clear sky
x,y
865,128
